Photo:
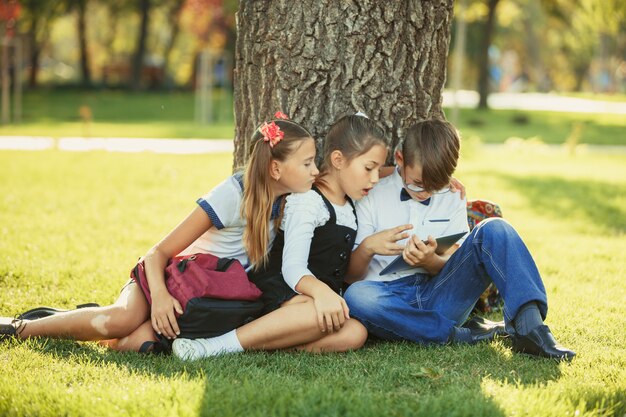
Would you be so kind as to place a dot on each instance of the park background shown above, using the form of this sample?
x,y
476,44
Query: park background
x,y
544,137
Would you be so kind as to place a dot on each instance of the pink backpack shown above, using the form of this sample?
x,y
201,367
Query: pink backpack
x,y
201,275
215,293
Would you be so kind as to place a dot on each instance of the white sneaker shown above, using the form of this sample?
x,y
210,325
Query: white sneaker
x,y
188,349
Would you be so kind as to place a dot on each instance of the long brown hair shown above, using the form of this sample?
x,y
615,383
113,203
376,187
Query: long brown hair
x,y
435,145
257,203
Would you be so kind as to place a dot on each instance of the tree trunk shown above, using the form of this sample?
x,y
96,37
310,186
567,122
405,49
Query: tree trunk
x,y
109,35
173,19
483,66
534,66
33,56
317,60
140,49
85,68
5,74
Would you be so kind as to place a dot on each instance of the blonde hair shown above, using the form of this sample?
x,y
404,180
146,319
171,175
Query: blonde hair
x,y
258,200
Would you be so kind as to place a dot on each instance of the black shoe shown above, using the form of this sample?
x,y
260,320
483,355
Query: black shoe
x,y
540,342
41,312
481,332
479,323
12,329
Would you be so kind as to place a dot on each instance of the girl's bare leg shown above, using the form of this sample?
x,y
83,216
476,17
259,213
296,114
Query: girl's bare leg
x,y
134,341
351,337
295,325
128,312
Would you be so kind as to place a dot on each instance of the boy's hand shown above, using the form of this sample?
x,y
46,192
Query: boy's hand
x,y
332,310
385,242
418,253
456,185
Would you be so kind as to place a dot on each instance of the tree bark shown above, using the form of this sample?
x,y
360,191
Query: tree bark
x,y
317,60
140,49
85,68
483,66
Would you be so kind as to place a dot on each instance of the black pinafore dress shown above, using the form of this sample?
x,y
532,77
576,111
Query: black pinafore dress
x,y
329,255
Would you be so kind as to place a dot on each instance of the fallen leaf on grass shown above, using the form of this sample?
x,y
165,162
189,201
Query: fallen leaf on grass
x,y
428,373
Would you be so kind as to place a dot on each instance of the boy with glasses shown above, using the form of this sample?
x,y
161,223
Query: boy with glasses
x,y
429,302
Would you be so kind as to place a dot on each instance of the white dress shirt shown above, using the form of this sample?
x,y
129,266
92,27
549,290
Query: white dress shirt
x,y
382,209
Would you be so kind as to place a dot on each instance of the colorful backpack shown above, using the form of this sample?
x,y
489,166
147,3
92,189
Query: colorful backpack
x,y
478,210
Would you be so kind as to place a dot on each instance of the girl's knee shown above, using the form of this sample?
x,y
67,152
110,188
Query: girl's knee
x,y
134,340
359,335
354,336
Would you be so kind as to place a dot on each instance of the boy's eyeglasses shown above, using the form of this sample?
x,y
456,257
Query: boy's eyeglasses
x,y
418,189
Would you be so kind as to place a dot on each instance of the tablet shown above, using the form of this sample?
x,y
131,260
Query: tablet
x,y
443,244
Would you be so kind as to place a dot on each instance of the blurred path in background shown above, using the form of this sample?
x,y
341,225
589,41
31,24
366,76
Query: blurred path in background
x,y
466,99
535,102
172,146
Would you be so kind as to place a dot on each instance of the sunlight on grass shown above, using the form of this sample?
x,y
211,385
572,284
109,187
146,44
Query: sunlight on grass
x,y
73,224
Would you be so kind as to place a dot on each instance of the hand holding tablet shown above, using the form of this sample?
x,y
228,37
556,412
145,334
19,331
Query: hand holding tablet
x,y
443,244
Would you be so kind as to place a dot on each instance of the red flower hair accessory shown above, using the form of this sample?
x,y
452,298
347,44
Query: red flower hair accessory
x,y
271,133
280,115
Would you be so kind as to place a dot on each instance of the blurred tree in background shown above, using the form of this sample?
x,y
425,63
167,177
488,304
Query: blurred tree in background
x,y
545,45
36,23
136,44
512,45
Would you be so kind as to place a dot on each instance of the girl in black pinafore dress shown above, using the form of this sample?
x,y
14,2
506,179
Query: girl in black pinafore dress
x,y
328,258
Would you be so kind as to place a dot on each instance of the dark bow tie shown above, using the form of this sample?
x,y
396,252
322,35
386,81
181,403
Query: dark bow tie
x,y
404,195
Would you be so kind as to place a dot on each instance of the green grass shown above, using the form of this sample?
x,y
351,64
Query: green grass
x,y
496,126
73,224
57,113
170,115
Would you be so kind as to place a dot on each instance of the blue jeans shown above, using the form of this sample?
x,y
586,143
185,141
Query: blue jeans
x,y
425,309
